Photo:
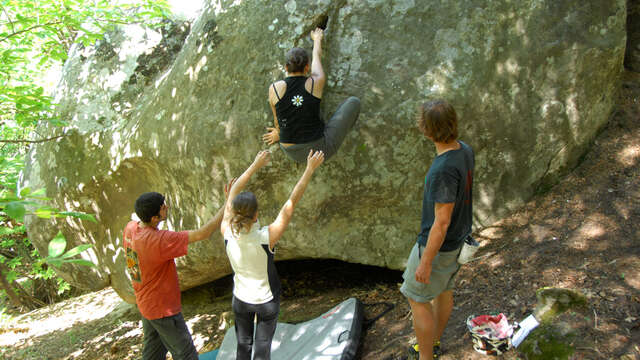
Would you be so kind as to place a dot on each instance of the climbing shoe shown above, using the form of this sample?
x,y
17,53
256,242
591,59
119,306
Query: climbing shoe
x,y
414,351
437,351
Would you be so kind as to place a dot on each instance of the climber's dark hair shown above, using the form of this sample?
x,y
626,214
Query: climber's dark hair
x,y
296,59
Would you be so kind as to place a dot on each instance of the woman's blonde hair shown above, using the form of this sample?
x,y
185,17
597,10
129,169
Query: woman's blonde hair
x,y
244,206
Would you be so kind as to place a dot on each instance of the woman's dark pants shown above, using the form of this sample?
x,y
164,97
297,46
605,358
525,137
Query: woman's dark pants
x,y
267,315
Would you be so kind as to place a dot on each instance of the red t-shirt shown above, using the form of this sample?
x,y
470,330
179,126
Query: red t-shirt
x,y
150,254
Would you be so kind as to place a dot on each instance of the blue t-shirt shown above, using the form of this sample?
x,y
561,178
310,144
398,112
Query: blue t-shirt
x,y
449,180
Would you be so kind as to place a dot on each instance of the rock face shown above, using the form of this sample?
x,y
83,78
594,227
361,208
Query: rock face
x,y
555,337
532,82
632,55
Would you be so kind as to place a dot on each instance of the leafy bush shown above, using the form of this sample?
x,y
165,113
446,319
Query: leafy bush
x,y
35,37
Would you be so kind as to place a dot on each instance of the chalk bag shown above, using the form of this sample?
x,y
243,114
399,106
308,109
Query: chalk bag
x,y
491,334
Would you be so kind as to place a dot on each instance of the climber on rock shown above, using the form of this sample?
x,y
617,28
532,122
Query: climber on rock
x,y
295,102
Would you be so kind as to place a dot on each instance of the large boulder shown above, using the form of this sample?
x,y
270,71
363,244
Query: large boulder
x,y
632,54
533,81
555,337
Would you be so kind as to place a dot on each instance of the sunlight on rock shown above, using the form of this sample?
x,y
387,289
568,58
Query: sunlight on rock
x,y
551,108
486,198
512,67
520,27
492,232
630,155
129,50
376,90
168,224
219,8
161,79
185,9
624,209
190,73
96,208
433,82
572,111
540,233
72,224
496,261
114,82
591,230
200,65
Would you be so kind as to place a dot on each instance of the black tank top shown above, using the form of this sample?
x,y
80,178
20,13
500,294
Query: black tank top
x,y
298,113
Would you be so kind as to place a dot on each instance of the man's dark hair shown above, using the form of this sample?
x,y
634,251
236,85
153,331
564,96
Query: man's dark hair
x,y
296,59
148,205
437,120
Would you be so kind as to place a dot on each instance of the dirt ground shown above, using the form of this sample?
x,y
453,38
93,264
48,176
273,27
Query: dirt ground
x,y
583,234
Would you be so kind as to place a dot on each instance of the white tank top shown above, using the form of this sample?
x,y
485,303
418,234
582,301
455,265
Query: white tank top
x,y
255,278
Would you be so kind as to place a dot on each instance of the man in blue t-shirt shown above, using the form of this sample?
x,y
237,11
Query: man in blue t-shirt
x,y
446,222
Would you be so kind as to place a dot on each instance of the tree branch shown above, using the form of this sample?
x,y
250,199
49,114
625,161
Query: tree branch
x,y
28,29
20,141
4,284
8,17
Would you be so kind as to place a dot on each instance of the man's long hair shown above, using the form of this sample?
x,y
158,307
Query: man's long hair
x,y
438,120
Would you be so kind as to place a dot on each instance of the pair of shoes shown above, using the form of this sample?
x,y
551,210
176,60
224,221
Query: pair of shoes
x,y
414,351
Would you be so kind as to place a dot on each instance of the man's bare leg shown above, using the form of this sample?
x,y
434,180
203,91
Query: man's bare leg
x,y
442,307
424,326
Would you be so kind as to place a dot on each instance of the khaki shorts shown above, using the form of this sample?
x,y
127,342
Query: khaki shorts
x,y
443,271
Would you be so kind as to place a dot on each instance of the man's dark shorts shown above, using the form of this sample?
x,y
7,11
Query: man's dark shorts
x,y
443,271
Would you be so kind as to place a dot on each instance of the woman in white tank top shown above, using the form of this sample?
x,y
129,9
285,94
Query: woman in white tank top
x,y
250,248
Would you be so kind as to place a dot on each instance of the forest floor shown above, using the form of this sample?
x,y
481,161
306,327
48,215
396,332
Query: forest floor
x,y
582,234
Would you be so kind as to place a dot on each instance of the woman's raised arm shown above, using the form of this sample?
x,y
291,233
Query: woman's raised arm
x,y
262,158
317,71
277,228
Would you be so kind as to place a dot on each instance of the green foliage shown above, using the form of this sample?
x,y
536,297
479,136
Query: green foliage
x,y
35,37
57,256
4,317
21,260
57,245
29,203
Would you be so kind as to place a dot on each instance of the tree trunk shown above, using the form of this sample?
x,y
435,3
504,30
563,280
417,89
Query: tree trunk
x,y
15,299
